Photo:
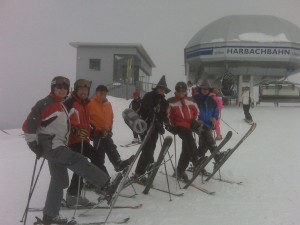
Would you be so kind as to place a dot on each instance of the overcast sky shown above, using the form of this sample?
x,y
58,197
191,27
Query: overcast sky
x,y
35,37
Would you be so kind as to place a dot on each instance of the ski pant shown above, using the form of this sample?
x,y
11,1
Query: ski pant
x,y
189,148
96,158
246,109
206,142
107,145
146,156
59,160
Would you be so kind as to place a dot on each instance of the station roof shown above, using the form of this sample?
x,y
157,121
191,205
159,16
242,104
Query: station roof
x,y
138,46
247,28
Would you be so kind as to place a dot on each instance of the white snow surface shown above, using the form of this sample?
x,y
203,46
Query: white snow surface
x,y
267,163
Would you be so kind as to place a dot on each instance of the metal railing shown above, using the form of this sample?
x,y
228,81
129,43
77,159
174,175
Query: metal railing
x,y
125,90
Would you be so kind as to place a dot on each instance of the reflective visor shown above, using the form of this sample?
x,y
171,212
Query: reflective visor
x,y
61,81
84,83
63,85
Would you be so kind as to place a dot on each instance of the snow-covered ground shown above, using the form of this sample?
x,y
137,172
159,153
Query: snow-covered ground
x,y
267,163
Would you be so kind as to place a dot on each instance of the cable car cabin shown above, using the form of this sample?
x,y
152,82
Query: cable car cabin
x,y
279,92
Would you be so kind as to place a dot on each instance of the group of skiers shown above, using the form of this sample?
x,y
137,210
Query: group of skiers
x,y
60,128
60,131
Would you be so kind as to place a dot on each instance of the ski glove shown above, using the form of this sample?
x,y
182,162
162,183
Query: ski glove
x,y
106,134
171,129
82,133
33,145
197,126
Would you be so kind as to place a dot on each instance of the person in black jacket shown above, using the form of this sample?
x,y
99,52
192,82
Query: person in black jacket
x,y
153,106
135,105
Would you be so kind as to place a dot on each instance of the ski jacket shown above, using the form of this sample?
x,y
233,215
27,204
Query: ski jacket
x,y
79,117
208,109
48,116
181,112
101,114
135,104
154,104
219,102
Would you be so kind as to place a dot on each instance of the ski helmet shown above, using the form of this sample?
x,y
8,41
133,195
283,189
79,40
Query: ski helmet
x,y
180,86
60,80
82,83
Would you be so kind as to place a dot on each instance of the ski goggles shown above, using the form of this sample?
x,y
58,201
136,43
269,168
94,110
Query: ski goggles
x,y
61,82
62,86
84,83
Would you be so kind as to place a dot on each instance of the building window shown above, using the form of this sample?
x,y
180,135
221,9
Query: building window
x,y
95,64
126,68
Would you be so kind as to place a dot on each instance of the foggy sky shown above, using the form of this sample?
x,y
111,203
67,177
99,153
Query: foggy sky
x,y
35,37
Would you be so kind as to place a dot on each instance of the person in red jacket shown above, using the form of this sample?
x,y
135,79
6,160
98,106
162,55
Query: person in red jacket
x,y
79,140
182,111
46,131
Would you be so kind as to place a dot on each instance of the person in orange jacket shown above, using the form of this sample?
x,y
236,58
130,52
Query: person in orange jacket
x,y
101,118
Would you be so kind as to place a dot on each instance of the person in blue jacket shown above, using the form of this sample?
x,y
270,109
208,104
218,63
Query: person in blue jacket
x,y
209,113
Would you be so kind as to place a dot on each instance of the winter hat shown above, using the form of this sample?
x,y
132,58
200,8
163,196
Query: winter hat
x,y
60,80
180,86
205,84
163,84
136,94
82,83
102,88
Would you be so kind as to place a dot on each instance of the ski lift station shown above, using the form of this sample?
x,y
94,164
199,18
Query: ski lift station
x,y
251,50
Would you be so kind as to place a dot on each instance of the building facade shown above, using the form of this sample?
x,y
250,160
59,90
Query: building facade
x,y
122,67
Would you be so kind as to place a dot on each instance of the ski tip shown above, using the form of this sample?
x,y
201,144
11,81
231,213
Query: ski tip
x,y
168,140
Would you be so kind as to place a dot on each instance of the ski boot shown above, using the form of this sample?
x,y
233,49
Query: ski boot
x,y
72,200
220,155
122,164
54,219
107,192
181,175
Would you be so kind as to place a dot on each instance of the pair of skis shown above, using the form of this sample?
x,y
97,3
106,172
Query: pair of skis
x,y
224,159
89,207
39,221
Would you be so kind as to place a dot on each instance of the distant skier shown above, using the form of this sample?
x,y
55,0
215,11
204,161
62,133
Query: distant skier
x,y
46,132
246,100
153,105
135,104
219,102
191,90
182,112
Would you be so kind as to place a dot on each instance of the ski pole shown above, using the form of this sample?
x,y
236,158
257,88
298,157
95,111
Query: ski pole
x,y
32,187
229,126
166,171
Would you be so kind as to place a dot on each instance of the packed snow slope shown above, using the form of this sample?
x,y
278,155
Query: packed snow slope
x,y
267,163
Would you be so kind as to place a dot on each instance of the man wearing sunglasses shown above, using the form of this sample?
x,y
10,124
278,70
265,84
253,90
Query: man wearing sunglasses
x,y
47,129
